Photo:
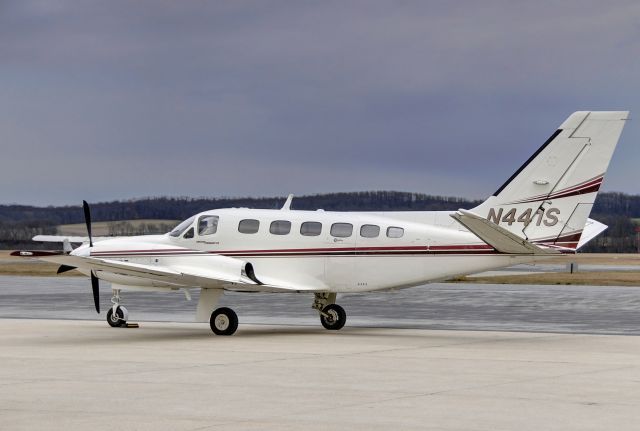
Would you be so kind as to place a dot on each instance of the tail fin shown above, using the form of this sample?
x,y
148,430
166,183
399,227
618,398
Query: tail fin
x,y
548,200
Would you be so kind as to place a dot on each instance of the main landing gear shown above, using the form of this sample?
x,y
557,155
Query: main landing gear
x,y
224,321
332,316
117,315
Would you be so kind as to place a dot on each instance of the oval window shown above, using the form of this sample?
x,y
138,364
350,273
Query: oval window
x,y
248,226
280,227
395,232
369,231
341,230
311,228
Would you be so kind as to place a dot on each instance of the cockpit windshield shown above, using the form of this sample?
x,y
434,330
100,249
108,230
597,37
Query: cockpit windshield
x,y
178,230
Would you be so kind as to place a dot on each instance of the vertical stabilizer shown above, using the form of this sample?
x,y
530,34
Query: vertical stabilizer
x,y
549,198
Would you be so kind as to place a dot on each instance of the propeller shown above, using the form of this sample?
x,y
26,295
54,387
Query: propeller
x,y
87,220
95,284
95,287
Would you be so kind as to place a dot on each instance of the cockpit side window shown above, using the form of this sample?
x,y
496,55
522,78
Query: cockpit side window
x,y
208,225
189,234
178,230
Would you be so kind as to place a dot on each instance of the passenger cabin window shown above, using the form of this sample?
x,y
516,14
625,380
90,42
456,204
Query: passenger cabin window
x,y
178,230
311,228
280,227
341,230
395,232
369,231
189,234
248,226
208,225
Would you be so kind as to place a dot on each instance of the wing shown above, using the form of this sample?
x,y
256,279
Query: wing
x,y
497,237
213,271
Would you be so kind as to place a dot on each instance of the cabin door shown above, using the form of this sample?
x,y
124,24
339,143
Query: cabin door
x,y
340,259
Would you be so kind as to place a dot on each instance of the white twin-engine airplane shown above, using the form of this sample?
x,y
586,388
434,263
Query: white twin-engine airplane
x,y
541,211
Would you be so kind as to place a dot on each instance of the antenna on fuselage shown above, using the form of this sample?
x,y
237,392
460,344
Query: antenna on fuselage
x,y
287,204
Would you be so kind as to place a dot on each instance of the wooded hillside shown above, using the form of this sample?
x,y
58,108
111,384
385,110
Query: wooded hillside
x,y
18,223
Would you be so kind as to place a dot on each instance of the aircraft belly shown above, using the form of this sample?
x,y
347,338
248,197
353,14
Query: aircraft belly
x,y
446,266
339,272
391,272
385,272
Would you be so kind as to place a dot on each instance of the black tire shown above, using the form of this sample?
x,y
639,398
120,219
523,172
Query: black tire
x,y
224,321
118,320
335,317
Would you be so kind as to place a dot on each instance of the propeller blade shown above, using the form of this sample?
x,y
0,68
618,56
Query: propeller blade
x,y
95,286
87,220
65,268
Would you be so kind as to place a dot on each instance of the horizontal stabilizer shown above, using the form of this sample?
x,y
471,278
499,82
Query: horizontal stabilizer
x,y
592,229
497,237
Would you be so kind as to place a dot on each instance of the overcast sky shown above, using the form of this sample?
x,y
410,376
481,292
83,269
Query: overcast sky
x,y
122,99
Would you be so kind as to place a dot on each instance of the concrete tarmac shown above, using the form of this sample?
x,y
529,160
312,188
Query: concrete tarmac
x,y
430,357
80,375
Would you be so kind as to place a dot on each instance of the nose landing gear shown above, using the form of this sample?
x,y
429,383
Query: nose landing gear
x,y
117,315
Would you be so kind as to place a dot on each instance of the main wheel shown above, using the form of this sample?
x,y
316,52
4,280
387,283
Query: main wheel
x,y
118,319
224,321
334,317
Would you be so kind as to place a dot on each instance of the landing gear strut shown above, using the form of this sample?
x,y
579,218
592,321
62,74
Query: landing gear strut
x,y
332,316
117,315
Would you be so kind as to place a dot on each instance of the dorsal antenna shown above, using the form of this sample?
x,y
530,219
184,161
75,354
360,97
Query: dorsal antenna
x,y
287,204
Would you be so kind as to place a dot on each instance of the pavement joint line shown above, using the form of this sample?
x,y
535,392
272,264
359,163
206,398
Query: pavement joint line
x,y
95,412
587,403
436,346
436,393
389,399
449,391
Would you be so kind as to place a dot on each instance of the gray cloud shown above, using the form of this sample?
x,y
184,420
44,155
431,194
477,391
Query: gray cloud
x,y
103,100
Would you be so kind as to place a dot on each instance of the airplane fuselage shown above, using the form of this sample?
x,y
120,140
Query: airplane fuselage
x,y
318,250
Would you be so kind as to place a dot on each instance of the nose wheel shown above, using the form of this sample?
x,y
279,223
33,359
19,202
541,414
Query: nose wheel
x,y
117,315
118,318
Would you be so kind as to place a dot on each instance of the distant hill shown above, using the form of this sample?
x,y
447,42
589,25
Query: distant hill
x,y
167,208
18,223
